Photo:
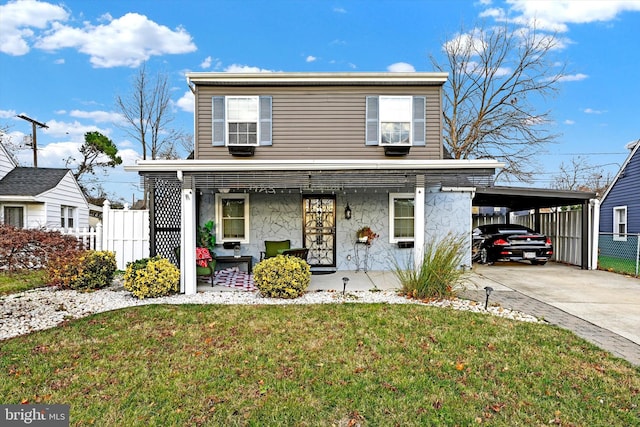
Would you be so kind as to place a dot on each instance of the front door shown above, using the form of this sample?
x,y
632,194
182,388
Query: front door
x,y
319,230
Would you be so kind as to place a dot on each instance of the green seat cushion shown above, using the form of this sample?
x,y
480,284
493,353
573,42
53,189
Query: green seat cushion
x,y
272,247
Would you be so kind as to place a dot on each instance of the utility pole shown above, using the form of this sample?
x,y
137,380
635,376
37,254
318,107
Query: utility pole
x,y
34,138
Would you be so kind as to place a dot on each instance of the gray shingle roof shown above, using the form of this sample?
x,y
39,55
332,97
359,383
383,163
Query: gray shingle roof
x,y
24,181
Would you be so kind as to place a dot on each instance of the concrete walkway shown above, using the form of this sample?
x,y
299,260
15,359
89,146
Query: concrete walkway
x,y
601,307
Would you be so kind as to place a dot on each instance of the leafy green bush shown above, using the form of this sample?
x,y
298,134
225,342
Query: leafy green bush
x,y
438,271
282,276
151,277
82,270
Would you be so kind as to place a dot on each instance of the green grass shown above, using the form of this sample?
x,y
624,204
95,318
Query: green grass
x,y
21,281
617,265
317,365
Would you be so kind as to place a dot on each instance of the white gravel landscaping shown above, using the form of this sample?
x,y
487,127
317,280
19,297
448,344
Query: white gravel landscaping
x,y
47,307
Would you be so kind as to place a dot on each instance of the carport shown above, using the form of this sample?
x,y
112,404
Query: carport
x,y
521,199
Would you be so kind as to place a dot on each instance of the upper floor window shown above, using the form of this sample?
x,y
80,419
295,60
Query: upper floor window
x,y
395,120
233,218
241,121
620,223
401,221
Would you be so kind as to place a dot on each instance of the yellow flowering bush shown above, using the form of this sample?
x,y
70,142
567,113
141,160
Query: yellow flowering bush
x,y
82,270
282,276
151,277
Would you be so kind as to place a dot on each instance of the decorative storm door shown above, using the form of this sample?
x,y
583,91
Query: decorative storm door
x,y
319,231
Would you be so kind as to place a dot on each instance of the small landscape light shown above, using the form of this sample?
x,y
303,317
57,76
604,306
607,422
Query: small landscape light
x,y
488,290
344,284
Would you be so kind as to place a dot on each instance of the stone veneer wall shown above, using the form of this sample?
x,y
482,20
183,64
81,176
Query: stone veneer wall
x,y
279,217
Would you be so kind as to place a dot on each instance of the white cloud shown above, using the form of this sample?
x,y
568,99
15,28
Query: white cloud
x,y
98,116
126,41
311,58
236,68
186,102
401,67
19,18
555,15
206,63
72,130
6,114
569,122
573,77
339,10
592,111
59,61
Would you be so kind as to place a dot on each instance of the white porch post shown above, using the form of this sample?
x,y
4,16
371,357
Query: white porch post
x,y
188,281
594,232
419,222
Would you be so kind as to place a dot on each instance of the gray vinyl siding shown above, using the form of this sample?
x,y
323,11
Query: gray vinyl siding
x,y
625,192
318,123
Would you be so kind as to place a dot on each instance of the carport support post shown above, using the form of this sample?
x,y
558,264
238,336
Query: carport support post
x,y
419,221
188,281
585,235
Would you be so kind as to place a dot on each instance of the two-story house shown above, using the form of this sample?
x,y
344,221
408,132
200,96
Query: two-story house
x,y
312,158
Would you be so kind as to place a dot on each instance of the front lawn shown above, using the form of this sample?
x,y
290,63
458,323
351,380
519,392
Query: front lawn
x,y
23,280
317,365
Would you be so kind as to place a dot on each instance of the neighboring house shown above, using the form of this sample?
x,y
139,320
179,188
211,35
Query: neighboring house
x,y
620,207
40,197
311,158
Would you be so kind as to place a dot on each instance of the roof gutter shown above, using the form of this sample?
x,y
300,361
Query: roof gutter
x,y
316,79
180,166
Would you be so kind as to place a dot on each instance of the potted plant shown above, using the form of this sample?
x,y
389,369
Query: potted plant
x,y
366,235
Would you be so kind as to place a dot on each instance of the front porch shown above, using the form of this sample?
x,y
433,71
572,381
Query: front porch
x,y
358,281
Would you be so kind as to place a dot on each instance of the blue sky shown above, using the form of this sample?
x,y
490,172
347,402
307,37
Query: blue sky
x,y
63,63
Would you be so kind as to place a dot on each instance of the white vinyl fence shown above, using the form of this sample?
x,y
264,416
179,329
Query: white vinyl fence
x,y
122,231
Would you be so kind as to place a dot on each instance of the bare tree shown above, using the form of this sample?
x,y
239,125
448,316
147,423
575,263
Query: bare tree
x,y
147,112
495,74
580,175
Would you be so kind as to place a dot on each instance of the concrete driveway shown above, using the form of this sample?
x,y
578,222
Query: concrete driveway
x,y
608,300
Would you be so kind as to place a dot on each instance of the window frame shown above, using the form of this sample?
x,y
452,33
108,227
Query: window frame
x,y
219,199
392,198
227,122
617,236
68,216
409,122
23,211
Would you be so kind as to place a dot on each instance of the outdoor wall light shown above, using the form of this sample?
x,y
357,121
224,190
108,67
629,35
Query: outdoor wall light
x,y
344,284
488,290
347,212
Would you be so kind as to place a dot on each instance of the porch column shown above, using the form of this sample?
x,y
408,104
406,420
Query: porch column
x,y
594,231
188,281
419,221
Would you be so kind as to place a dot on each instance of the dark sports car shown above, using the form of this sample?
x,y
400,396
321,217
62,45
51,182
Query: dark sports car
x,y
510,242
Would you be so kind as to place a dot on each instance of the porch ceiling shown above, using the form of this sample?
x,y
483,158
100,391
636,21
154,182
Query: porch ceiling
x,y
323,180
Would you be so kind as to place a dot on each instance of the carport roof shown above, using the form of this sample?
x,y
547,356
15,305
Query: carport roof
x,y
521,198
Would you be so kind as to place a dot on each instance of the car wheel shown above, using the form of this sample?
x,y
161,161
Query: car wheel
x,y
484,256
536,262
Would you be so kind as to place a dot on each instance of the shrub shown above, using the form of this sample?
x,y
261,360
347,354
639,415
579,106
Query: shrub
x,y
29,249
151,277
282,276
438,272
82,270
